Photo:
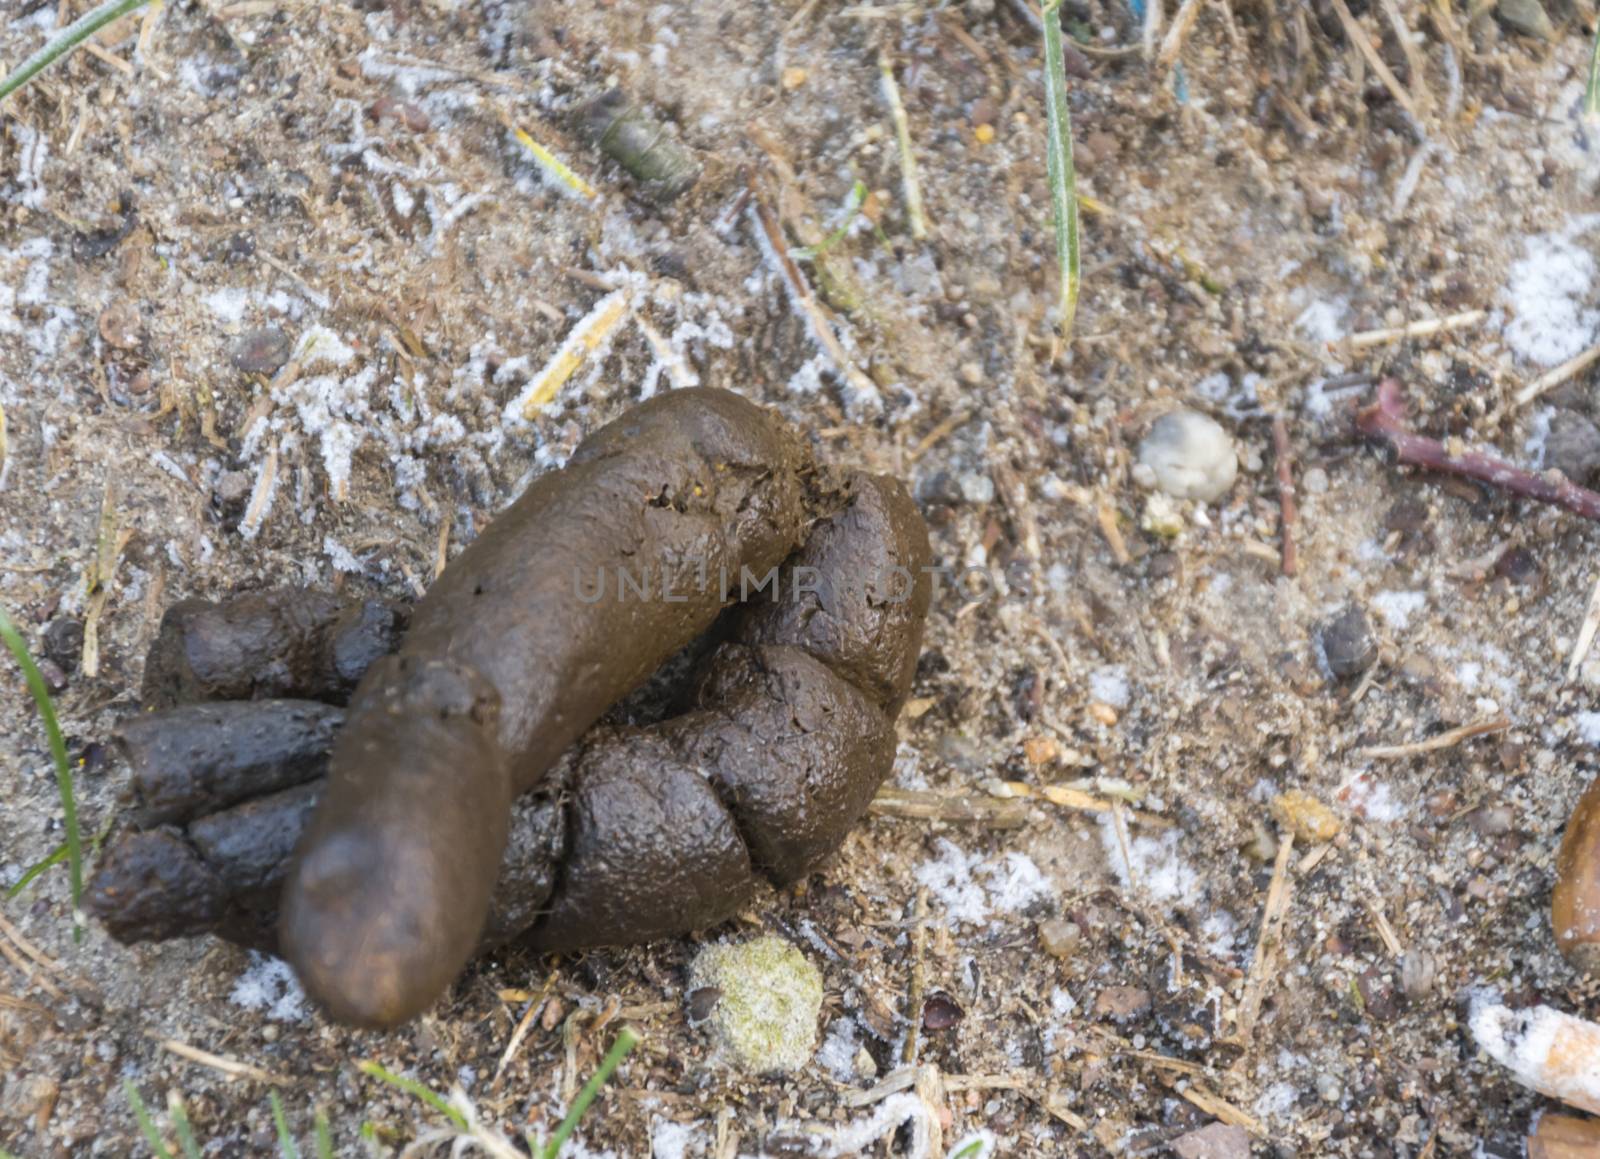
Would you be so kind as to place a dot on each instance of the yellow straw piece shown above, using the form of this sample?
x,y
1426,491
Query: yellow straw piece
x,y
591,333
554,166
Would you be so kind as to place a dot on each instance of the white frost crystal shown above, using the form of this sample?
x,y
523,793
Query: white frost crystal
x,y
1190,455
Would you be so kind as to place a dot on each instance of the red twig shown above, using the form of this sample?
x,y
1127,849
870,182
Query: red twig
x,y
1385,420
1290,514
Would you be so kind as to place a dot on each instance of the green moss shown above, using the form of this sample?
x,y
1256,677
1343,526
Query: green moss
x,y
766,1018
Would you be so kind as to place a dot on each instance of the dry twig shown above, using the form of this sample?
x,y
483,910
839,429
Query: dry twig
x,y
1385,421
231,1067
1261,962
1422,328
1374,59
939,432
1444,740
1551,379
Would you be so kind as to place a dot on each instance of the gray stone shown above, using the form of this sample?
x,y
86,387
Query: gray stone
x,y
1573,446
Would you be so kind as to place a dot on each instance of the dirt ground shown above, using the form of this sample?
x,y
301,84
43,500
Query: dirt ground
x,y
342,174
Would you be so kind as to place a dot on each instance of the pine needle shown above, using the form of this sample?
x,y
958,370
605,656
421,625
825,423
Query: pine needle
x,y
323,1137
1591,94
1063,177
552,165
286,1144
58,752
412,1087
147,1125
627,1039
911,185
66,40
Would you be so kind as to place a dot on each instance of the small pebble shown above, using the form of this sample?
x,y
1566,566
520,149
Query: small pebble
x,y
765,1016
1262,846
1059,937
1418,971
865,1066
941,1012
1308,817
1215,1141
1315,481
1527,17
1407,516
1161,517
233,487
702,1003
1491,820
976,488
1191,456
1040,750
63,641
262,351
1329,1089
1122,1003
120,325
1573,446
1347,642
54,678
391,109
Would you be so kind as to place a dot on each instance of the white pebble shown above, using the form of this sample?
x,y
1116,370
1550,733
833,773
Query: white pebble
x,y
1190,455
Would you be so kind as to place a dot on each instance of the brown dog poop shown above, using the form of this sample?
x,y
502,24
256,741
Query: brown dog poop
x,y
250,778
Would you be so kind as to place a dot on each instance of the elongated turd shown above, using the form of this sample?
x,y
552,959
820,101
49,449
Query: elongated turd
x,y
1575,902
507,661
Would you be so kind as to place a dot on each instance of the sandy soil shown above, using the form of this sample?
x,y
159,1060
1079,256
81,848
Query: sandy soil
x,y
341,173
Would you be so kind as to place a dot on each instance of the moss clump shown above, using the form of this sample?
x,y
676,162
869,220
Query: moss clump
x,y
771,996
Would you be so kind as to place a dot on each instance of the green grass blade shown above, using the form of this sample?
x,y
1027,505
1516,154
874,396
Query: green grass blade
x,y
1058,155
1591,95
626,1041
852,208
323,1138
412,1087
146,1125
286,1145
181,1127
58,752
55,857
65,41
